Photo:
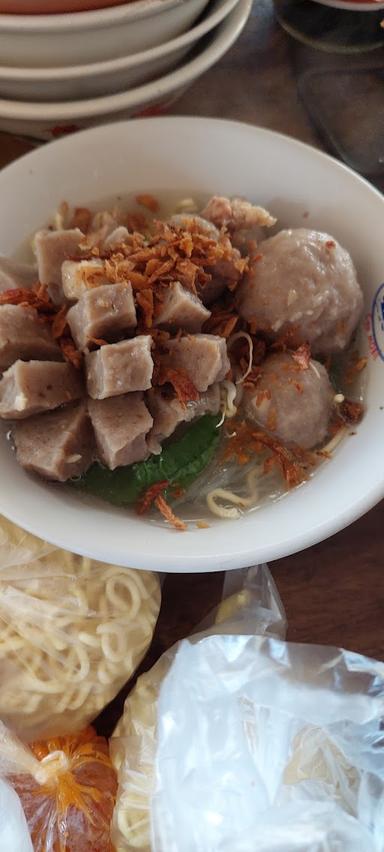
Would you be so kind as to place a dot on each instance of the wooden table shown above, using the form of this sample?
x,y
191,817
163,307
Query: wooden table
x,y
334,592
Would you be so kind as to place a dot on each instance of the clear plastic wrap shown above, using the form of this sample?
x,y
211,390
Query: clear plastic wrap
x,y
72,632
66,786
14,834
241,741
250,603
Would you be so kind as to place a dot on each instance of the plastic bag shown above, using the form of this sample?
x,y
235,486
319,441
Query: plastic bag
x,y
267,745
72,632
237,741
14,834
67,788
251,603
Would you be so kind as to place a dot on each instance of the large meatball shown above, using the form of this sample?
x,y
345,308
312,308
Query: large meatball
x,y
292,403
304,282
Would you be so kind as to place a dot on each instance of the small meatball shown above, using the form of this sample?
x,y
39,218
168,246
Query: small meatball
x,y
31,387
292,403
181,309
202,356
103,312
303,282
121,425
119,368
57,445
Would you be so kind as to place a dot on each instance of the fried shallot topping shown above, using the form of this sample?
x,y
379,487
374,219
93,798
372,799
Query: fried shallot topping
x,y
293,462
155,496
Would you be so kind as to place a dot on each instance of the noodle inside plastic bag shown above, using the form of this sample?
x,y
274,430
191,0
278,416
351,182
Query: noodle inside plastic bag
x,y
251,602
72,632
237,740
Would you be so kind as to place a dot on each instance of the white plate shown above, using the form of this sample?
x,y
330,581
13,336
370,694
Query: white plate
x,y
49,120
84,37
353,7
114,75
293,181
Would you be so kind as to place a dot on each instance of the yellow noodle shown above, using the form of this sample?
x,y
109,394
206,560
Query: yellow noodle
x,y
71,634
248,338
236,500
335,441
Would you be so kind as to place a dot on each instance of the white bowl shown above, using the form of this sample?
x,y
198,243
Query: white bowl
x,y
49,120
114,75
84,37
189,155
352,6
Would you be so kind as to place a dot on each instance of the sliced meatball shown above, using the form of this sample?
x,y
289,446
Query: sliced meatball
x,y
119,236
30,387
236,213
121,426
245,221
24,336
303,282
202,356
292,403
191,222
120,368
181,309
225,270
13,274
52,248
103,312
78,276
57,445
169,413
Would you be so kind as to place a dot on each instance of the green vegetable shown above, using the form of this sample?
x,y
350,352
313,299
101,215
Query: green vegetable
x,y
180,462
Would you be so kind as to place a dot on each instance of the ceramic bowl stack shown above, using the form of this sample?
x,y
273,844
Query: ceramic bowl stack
x,y
60,72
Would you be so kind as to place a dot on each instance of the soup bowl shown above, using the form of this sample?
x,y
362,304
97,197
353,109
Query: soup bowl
x,y
302,187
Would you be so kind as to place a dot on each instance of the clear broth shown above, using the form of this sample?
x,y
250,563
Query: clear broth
x,y
192,506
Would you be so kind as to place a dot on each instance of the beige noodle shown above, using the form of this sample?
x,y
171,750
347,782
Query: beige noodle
x,y
72,632
217,496
248,338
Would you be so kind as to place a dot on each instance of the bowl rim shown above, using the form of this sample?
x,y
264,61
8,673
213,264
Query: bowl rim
x,y
91,19
354,5
222,9
220,41
208,554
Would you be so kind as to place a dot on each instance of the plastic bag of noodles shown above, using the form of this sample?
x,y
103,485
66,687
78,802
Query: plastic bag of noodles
x,y
238,740
66,787
250,603
72,632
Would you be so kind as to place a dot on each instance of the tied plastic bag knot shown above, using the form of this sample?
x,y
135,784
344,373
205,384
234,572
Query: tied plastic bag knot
x,y
66,786
51,767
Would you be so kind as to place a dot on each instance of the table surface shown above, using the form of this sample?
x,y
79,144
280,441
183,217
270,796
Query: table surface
x,y
333,593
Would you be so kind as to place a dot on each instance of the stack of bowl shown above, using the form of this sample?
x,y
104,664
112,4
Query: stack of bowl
x,y
81,64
